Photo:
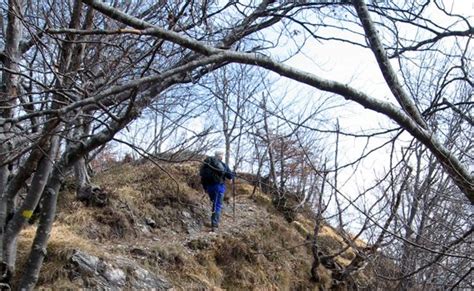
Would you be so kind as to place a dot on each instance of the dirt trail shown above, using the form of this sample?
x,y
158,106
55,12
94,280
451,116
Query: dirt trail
x,y
246,217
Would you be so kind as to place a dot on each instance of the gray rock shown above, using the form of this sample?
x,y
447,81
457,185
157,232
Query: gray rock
x,y
117,274
114,276
85,262
150,222
193,228
143,228
186,214
142,278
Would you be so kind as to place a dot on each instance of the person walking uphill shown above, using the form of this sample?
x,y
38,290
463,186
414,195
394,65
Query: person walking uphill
x,y
213,174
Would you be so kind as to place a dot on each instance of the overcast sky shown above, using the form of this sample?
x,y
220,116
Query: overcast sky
x,y
357,66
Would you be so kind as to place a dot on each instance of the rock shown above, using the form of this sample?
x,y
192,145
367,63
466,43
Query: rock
x,y
150,222
143,279
85,262
117,274
137,252
114,276
99,272
143,228
140,278
192,227
186,214
189,223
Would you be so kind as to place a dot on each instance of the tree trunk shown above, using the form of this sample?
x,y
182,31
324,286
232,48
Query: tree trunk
x,y
12,60
38,251
30,203
8,99
4,173
227,149
83,184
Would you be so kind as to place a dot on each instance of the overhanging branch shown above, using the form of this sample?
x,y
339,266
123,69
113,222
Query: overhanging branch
x,y
410,122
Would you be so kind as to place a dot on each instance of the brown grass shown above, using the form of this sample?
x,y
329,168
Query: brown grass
x,y
243,189
260,259
62,244
262,256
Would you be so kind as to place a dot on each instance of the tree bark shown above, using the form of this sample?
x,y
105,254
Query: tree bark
x,y
38,252
48,212
12,60
82,179
386,68
8,98
30,203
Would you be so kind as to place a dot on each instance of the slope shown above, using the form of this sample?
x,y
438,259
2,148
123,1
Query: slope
x,y
151,232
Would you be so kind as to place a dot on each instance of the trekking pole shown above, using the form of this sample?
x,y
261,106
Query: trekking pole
x,y
233,197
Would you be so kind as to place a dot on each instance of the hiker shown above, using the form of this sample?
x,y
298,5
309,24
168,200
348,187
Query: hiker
x,y
213,174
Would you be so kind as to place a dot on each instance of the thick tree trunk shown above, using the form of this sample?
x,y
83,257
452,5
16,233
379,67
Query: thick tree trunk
x,y
38,252
4,173
83,184
12,60
8,99
29,205
48,211
81,173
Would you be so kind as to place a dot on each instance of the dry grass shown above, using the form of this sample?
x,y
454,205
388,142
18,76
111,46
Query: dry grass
x,y
329,240
259,259
136,193
301,229
61,245
261,256
243,189
262,200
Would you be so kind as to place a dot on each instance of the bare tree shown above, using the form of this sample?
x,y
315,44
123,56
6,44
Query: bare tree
x,y
90,77
75,73
232,89
407,116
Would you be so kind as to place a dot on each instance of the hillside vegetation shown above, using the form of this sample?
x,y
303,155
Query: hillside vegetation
x,y
151,230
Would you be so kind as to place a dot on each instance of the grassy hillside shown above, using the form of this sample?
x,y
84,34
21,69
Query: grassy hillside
x,y
156,218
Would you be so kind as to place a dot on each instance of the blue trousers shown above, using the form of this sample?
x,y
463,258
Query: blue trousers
x,y
216,194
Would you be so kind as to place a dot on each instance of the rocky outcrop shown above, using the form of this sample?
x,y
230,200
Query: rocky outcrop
x,y
117,274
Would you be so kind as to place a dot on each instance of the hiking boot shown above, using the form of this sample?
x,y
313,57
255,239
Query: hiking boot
x,y
214,228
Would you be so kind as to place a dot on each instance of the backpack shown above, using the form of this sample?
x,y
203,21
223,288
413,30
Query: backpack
x,y
212,171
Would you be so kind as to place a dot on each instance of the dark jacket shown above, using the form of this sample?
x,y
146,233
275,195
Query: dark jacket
x,y
213,171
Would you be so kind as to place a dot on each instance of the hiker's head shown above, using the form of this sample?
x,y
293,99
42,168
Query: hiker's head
x,y
219,155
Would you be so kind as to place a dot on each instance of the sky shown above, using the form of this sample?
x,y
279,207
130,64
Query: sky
x,y
356,66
